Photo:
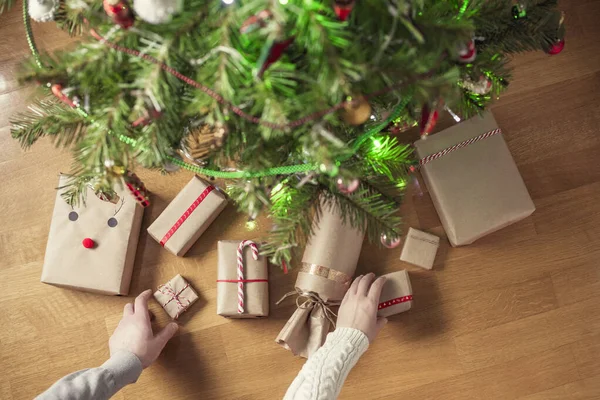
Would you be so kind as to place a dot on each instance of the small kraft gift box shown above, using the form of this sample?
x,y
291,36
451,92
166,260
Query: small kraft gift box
x,y
176,296
420,248
474,183
186,218
242,280
396,295
92,246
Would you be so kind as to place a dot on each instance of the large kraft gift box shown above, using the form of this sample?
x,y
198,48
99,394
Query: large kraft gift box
x,y
474,183
328,264
111,229
186,218
255,288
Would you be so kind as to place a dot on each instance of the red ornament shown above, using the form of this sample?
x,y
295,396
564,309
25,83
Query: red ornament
x,y
274,53
57,91
88,243
119,11
146,119
468,52
256,21
347,186
428,120
343,8
556,47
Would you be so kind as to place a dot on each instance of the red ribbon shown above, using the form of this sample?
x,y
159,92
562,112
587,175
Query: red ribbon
x,y
393,302
186,214
242,280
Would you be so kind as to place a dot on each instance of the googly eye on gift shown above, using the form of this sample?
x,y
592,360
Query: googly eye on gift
x,y
73,216
112,222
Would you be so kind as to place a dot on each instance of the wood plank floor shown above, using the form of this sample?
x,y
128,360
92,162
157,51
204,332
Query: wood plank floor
x,y
514,316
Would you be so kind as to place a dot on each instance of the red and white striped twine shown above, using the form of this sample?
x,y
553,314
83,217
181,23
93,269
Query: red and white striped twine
x,y
240,262
457,146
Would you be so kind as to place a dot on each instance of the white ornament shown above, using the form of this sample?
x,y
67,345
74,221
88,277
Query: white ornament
x,y
156,11
42,10
482,86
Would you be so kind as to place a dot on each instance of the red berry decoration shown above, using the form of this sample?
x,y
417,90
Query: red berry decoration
x,y
57,91
428,120
556,47
120,12
88,243
343,8
272,54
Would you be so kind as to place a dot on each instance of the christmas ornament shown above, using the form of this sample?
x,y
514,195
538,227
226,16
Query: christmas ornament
x,y
157,11
357,111
137,188
201,140
347,186
482,86
556,47
467,52
88,243
428,120
256,21
119,11
343,8
390,243
271,53
519,11
57,90
147,118
42,10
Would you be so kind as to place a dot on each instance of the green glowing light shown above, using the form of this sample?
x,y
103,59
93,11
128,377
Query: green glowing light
x,y
251,225
401,184
377,143
277,188
284,2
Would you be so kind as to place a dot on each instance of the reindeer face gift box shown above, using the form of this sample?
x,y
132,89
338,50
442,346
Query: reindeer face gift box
x,y
92,247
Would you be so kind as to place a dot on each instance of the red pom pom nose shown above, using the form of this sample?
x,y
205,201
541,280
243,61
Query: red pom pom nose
x,y
88,243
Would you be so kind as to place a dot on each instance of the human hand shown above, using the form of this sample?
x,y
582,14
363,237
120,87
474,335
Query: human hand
x,y
134,332
359,307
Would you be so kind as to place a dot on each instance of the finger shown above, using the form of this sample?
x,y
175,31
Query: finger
x,y
166,334
376,288
140,307
365,284
128,309
354,285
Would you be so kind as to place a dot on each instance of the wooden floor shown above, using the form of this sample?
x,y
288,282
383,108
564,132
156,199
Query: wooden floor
x,y
514,316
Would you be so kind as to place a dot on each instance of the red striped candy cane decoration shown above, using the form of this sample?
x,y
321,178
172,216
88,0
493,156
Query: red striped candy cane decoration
x,y
240,262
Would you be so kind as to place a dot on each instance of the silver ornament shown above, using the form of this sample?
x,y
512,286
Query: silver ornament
x,y
42,10
157,11
390,243
482,86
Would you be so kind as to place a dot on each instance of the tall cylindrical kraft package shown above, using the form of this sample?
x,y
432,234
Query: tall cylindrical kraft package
x,y
328,264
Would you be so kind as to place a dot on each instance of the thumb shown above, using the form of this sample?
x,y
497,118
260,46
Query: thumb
x,y
166,334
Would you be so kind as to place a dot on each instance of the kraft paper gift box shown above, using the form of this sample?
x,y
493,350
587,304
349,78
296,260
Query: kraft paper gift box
x,y
114,228
328,264
255,288
176,296
474,183
396,295
186,218
420,248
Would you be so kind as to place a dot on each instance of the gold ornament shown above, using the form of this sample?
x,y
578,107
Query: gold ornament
x,y
357,112
201,141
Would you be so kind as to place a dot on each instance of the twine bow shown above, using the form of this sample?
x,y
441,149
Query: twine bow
x,y
307,299
240,262
167,290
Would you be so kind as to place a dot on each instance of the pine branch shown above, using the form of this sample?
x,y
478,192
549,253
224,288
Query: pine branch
x,y
48,117
6,5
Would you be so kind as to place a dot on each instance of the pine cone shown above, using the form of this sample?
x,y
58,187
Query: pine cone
x,y
201,141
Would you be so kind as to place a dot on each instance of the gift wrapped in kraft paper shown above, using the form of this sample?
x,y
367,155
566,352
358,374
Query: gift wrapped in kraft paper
x,y
474,183
92,246
242,280
186,218
328,265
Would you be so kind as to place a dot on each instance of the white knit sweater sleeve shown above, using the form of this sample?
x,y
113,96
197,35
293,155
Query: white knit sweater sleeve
x,y
323,375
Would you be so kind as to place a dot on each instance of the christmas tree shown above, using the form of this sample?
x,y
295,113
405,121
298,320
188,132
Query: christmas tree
x,y
287,101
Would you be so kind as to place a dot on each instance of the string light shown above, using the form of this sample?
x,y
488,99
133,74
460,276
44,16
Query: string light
x,y
250,224
228,1
376,143
283,2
